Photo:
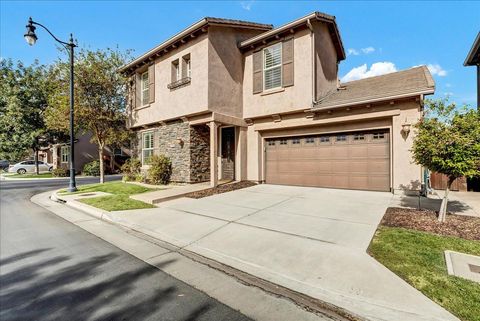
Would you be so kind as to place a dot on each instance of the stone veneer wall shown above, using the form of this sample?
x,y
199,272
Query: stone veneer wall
x,y
166,142
199,153
190,158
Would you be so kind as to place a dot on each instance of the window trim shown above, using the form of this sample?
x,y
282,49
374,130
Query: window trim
x,y
265,69
146,89
143,145
63,153
188,66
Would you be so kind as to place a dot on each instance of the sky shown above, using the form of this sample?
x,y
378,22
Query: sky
x,y
378,36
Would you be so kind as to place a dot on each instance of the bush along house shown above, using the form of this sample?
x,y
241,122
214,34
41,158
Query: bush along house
x,y
235,100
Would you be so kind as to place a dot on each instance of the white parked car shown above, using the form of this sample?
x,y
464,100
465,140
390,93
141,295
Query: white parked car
x,y
29,167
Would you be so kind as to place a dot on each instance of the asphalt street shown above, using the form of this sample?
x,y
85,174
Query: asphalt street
x,y
53,270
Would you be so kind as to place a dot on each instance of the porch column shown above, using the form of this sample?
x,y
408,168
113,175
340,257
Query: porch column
x,y
213,153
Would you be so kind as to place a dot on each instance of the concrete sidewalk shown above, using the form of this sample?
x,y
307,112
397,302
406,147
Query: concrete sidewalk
x,y
310,240
460,203
169,192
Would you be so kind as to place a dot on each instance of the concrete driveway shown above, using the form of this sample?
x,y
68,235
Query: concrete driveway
x,y
311,240
343,217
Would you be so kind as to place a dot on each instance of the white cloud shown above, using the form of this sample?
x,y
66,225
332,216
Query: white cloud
x,y
376,69
448,93
352,51
247,5
365,51
368,50
448,85
437,70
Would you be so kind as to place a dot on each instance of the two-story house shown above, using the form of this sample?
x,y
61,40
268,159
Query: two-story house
x,y
228,99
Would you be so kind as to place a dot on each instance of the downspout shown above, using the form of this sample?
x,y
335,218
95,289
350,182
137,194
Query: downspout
x,y
314,78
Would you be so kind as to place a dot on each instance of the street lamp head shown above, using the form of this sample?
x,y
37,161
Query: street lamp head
x,y
30,35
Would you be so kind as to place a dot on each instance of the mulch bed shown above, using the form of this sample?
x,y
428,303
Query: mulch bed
x,y
221,189
466,227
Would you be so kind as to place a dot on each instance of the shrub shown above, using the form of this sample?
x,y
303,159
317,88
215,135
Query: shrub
x,y
131,168
60,172
92,168
140,177
160,170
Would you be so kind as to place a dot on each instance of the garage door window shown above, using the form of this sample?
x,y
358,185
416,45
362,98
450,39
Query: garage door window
x,y
271,143
296,141
283,142
359,137
309,140
378,135
341,138
324,139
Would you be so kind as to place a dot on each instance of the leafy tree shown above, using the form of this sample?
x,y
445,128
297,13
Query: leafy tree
x,y
448,142
24,92
99,98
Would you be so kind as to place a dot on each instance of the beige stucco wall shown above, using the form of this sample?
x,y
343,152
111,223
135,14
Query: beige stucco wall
x,y
225,69
296,97
185,100
325,60
405,175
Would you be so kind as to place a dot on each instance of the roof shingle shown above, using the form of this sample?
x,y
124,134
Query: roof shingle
x,y
405,83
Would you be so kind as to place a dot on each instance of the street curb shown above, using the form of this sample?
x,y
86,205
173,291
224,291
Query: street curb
x,y
6,178
304,301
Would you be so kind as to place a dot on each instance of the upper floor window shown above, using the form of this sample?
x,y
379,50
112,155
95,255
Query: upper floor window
x,y
145,88
176,71
65,154
272,66
147,147
187,66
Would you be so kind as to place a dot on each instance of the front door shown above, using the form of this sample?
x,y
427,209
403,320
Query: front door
x,y
228,153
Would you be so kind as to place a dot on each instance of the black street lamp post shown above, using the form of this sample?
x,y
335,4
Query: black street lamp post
x,y
31,38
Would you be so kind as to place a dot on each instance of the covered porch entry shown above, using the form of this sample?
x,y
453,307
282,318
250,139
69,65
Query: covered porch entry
x,y
228,139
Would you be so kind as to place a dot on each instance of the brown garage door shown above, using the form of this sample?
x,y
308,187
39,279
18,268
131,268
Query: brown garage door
x,y
359,160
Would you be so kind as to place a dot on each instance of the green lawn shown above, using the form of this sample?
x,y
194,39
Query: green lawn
x,y
41,175
118,201
418,258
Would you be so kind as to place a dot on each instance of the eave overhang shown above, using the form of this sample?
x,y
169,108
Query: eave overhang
x,y
373,100
291,27
185,36
473,57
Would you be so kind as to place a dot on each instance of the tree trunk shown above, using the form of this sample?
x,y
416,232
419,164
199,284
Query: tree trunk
x,y
36,162
100,158
442,214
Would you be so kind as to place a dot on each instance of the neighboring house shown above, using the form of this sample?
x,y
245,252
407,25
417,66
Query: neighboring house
x,y
85,152
228,99
473,59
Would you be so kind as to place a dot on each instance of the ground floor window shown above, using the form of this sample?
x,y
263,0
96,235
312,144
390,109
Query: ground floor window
x,y
147,147
65,154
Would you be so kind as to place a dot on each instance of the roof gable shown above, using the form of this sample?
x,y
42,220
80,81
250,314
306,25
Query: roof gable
x,y
272,35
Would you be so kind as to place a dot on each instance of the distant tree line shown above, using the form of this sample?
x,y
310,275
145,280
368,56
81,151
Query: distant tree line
x,y
34,103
